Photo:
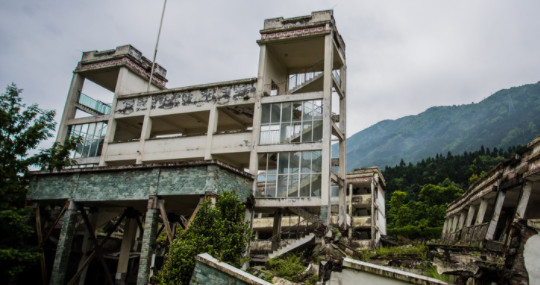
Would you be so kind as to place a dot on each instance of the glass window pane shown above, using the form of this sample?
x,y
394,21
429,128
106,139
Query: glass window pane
x,y
270,189
308,110
283,165
296,132
265,113
286,109
317,110
306,162
317,131
315,185
282,186
285,133
306,132
294,162
305,184
316,162
297,111
275,117
334,191
272,163
293,186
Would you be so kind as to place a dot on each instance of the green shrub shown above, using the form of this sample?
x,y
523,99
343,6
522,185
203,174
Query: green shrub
x,y
219,231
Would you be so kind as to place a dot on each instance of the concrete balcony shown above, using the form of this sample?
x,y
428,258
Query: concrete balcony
x,y
187,99
178,148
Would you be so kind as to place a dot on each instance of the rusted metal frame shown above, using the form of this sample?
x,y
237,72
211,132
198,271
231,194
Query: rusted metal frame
x,y
97,246
40,242
195,212
161,206
62,212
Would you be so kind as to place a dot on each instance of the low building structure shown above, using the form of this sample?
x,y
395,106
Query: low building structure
x,y
499,213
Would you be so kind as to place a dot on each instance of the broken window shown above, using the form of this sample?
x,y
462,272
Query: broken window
x,y
91,136
291,122
298,79
290,174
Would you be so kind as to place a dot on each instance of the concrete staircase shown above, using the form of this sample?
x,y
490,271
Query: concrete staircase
x,y
294,245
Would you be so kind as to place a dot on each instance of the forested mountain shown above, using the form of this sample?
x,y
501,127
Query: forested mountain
x,y
508,117
417,194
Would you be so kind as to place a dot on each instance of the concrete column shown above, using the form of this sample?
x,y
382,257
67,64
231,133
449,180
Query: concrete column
x,y
526,189
63,249
125,249
149,237
343,149
325,212
111,124
145,134
212,128
496,213
276,230
255,133
481,211
461,220
445,226
77,82
454,223
350,209
470,215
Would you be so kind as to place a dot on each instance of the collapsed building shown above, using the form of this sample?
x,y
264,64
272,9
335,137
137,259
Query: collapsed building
x,y
496,222
147,161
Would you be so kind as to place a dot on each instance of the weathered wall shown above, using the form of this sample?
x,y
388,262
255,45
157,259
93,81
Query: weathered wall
x,y
138,183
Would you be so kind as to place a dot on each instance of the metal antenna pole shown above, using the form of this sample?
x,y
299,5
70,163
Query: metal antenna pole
x,y
155,50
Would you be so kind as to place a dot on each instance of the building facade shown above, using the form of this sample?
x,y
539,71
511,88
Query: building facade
x,y
157,152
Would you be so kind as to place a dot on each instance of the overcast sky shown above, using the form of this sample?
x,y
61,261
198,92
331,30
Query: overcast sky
x,y
403,56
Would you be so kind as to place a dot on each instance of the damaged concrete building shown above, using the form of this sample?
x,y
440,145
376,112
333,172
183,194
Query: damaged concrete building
x,y
499,217
148,160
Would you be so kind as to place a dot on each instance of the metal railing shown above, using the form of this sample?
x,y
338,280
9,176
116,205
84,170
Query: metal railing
x,y
94,104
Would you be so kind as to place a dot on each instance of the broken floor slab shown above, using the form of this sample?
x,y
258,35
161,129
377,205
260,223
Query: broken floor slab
x,y
210,271
359,272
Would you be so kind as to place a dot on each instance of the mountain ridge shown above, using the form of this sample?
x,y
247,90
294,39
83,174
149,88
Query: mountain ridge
x,y
508,117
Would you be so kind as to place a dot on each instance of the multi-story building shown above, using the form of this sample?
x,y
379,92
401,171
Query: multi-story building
x,y
269,136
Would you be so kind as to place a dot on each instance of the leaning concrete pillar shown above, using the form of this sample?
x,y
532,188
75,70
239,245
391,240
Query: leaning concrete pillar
x,y
149,236
461,220
63,249
481,211
470,215
526,189
496,213
454,223
276,230
125,249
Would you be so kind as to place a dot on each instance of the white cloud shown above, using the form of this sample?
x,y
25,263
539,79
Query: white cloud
x,y
403,56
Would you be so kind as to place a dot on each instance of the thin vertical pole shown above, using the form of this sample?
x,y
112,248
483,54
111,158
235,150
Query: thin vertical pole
x,y
156,48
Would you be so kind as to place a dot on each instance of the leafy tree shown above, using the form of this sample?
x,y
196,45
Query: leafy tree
x,y
22,128
220,231
422,218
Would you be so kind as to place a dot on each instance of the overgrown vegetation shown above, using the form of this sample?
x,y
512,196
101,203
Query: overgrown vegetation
x,y
289,267
22,129
219,230
417,251
417,194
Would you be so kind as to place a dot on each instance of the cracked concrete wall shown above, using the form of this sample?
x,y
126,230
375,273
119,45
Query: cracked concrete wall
x,y
138,184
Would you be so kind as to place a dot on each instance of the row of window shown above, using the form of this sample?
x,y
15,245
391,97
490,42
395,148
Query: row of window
x,y
291,122
290,174
91,136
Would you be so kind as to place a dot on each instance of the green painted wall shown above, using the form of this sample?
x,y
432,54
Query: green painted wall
x,y
138,183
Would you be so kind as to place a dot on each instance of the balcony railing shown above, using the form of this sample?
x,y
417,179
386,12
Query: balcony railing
x,y
94,104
